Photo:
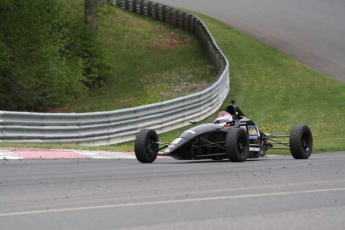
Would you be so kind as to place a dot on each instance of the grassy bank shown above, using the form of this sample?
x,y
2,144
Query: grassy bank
x,y
151,61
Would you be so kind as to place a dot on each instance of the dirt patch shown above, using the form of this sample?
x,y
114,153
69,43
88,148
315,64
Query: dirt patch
x,y
187,87
170,39
183,89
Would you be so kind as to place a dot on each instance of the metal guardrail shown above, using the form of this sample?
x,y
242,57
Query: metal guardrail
x,y
105,128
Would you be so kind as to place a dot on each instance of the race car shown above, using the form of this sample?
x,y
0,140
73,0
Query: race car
x,y
231,135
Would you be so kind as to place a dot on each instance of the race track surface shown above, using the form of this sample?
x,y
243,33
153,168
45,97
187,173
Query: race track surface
x,y
312,31
268,193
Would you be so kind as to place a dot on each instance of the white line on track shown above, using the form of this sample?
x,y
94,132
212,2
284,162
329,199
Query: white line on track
x,y
165,202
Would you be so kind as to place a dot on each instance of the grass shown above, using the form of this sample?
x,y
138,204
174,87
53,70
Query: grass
x,y
271,88
152,62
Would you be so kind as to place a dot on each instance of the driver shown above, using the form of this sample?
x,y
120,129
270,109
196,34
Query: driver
x,y
223,117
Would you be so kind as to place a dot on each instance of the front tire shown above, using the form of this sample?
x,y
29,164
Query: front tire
x,y
237,145
301,142
146,146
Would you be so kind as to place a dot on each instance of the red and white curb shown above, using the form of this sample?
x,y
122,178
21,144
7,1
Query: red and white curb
x,y
23,153
20,153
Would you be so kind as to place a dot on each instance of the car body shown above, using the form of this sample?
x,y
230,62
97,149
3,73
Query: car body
x,y
232,135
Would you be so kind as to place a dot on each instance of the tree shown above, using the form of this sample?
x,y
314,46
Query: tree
x,y
35,72
49,55
90,13
93,78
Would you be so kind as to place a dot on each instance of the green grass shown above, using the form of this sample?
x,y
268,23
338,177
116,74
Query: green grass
x,y
151,61
271,88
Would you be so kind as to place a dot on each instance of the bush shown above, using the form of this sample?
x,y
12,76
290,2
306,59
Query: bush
x,y
36,69
83,42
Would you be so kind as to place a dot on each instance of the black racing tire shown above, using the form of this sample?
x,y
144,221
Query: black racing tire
x,y
146,146
301,142
237,145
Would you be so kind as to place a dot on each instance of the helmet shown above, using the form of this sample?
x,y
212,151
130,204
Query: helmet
x,y
223,117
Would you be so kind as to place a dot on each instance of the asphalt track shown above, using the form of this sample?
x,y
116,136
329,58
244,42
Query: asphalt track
x,y
267,193
312,31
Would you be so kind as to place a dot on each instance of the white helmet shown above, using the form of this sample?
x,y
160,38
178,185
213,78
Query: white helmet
x,y
223,117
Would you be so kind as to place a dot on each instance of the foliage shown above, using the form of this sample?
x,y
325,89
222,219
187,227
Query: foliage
x,y
34,72
48,56
83,42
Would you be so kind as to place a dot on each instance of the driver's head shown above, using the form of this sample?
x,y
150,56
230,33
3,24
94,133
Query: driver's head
x,y
223,117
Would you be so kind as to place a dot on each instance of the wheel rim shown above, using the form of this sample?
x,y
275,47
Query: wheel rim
x,y
241,145
151,148
305,142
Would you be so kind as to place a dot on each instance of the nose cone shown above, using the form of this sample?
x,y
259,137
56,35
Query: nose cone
x,y
177,144
181,147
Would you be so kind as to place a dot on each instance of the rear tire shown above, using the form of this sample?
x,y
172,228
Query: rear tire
x,y
146,146
237,145
301,142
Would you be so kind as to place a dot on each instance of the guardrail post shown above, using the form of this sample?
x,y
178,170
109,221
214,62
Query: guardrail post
x,y
161,15
140,6
134,6
182,19
187,23
147,7
174,17
168,15
155,11
192,25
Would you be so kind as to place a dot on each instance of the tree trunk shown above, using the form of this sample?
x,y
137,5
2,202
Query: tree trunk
x,y
90,16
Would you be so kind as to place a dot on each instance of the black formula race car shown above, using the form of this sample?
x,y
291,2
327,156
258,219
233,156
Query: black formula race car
x,y
231,136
